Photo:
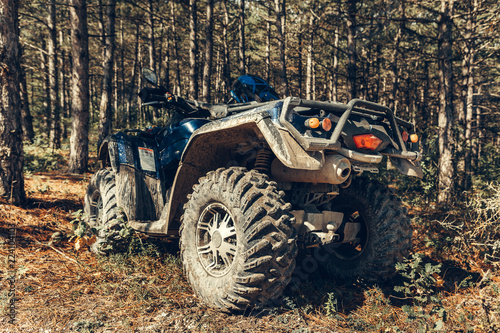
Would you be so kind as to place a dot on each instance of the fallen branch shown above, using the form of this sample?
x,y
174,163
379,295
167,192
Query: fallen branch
x,y
56,250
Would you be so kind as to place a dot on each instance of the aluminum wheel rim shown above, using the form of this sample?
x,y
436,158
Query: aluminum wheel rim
x,y
216,240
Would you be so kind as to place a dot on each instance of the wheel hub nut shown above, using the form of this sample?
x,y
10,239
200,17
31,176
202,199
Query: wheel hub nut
x,y
216,239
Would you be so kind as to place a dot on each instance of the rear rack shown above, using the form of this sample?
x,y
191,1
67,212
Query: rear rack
x,y
354,107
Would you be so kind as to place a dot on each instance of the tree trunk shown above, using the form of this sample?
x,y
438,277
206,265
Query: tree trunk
x,y
11,143
226,67
177,69
280,6
106,107
207,69
335,79
140,117
193,50
241,48
351,49
26,118
79,141
446,180
151,36
420,126
478,143
393,103
62,90
299,58
131,87
268,45
47,105
310,50
55,112
467,110
122,70
164,58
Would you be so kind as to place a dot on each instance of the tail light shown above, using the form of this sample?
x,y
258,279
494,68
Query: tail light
x,y
367,141
414,138
326,124
405,136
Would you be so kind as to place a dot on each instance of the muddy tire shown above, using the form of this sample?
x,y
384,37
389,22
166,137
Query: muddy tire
x,y
384,237
237,240
102,213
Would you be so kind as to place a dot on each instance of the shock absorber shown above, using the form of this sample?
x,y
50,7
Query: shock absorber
x,y
263,160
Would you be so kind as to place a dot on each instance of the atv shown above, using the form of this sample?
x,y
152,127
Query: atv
x,y
247,185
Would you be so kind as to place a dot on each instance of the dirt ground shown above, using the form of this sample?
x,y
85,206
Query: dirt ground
x,y
62,287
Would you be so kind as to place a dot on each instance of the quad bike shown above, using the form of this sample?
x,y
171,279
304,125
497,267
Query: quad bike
x,y
247,185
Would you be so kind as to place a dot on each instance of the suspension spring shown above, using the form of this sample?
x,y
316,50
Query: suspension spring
x,y
263,161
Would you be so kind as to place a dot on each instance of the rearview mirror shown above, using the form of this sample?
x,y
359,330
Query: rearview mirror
x,y
150,76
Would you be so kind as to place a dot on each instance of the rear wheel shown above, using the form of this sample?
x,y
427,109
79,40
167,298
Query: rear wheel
x,y
381,236
237,241
103,215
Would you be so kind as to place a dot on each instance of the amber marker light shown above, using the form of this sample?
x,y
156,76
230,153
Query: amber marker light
x,y
367,141
414,138
312,123
326,124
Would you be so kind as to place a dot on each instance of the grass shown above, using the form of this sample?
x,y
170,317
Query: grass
x,y
61,289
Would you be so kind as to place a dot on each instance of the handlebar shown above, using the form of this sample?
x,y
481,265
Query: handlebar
x,y
153,95
160,96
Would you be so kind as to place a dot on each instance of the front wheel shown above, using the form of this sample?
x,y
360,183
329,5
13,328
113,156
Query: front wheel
x,y
237,239
380,233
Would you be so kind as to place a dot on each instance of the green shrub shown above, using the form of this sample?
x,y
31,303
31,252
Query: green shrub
x,y
420,286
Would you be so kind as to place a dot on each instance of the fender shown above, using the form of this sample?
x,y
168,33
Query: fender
x,y
210,148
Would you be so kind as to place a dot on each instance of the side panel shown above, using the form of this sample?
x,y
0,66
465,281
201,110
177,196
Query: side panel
x,y
135,160
139,195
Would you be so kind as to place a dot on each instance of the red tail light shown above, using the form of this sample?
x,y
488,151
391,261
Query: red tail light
x,y
326,124
367,141
405,136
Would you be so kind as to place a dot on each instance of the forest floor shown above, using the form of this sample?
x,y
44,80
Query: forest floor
x,y
63,288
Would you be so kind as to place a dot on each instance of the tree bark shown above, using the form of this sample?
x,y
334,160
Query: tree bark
x,y
280,6
310,55
268,45
446,177
122,68
11,143
106,107
393,102
62,89
335,79
241,48
151,36
177,69
55,112
131,86
193,50
300,65
351,49
47,105
207,68
26,118
467,110
226,67
79,141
